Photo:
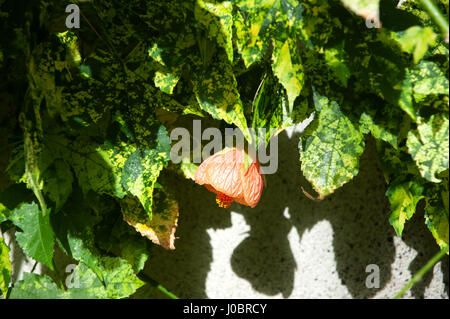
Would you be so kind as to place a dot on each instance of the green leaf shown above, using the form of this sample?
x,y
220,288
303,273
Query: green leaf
x,y
217,18
75,232
388,124
396,162
139,176
216,90
403,197
91,91
116,237
58,182
271,110
335,57
5,267
287,66
429,146
34,286
330,155
120,282
94,169
416,40
32,165
12,197
175,42
437,212
277,22
405,100
427,78
134,251
161,228
186,168
4,212
250,50
36,237
367,125
142,167
167,80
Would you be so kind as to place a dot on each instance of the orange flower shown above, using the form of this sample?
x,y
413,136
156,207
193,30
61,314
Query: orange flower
x,y
233,176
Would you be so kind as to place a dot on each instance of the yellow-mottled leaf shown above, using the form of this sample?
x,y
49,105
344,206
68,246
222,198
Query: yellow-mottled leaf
x,y
161,228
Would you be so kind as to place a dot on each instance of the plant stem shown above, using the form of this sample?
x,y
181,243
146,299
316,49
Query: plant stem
x,y
157,285
436,15
34,267
418,276
58,277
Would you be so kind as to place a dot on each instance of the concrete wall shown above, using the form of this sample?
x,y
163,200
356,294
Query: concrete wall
x,y
292,247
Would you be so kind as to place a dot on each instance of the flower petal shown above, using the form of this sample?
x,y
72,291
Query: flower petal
x,y
252,185
225,173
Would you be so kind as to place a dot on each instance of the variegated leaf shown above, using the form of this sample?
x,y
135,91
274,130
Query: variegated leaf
x,y
330,155
403,197
437,212
216,90
216,17
274,22
161,228
429,147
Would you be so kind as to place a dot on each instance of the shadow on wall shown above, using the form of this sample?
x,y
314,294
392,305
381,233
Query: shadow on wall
x,y
416,235
358,213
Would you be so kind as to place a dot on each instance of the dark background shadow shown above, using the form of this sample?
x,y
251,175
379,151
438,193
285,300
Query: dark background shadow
x,y
184,270
358,213
417,236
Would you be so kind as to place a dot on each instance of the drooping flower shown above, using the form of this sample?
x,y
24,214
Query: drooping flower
x,y
233,176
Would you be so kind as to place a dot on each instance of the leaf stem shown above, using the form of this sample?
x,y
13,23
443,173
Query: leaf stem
x,y
34,267
257,91
418,276
30,169
95,31
436,15
157,285
58,277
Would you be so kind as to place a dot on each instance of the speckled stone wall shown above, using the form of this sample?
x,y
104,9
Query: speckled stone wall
x,y
292,247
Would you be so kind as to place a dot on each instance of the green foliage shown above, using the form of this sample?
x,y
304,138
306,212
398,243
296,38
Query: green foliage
x,y
5,268
437,211
273,23
119,282
403,198
216,90
36,235
85,116
427,78
429,147
161,228
36,287
416,40
271,110
330,155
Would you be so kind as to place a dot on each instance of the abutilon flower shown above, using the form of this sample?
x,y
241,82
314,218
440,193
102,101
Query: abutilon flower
x,y
233,176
